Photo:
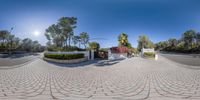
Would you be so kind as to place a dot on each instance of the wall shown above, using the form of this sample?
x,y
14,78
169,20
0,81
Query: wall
x,y
116,56
147,50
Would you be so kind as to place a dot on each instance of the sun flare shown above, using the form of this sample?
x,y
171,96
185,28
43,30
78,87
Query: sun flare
x,y
36,33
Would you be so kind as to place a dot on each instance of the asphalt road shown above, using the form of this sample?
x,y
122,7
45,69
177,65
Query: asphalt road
x,y
186,59
16,59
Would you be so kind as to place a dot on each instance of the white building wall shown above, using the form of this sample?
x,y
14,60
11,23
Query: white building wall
x,y
116,56
147,50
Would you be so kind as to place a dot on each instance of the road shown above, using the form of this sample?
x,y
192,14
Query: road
x,y
187,59
130,79
17,59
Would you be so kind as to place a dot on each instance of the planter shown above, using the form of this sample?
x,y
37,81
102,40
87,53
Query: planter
x,y
66,61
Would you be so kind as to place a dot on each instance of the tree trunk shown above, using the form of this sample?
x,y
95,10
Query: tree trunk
x,y
69,41
85,46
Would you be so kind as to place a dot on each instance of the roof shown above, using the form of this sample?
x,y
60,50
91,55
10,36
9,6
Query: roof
x,y
119,49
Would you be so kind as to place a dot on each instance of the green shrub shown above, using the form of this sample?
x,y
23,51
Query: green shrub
x,y
64,56
149,54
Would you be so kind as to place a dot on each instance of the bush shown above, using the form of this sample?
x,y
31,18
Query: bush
x,y
149,54
64,56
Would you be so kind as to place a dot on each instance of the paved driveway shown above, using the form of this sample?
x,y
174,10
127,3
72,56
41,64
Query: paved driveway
x,y
129,79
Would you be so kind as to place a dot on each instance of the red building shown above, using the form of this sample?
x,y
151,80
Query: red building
x,y
120,52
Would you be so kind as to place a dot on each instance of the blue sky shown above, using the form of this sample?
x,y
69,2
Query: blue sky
x,y
104,19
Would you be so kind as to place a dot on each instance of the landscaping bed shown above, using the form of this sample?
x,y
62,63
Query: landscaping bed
x,y
149,54
65,58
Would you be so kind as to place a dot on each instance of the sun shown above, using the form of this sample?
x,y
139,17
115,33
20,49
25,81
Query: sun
x,y
36,33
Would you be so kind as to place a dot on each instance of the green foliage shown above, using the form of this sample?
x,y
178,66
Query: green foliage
x,y
84,38
94,46
188,37
104,49
149,54
144,42
123,39
77,40
134,50
61,33
64,56
9,43
189,43
69,48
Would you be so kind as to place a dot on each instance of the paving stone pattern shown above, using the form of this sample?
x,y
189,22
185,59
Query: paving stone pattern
x,y
130,79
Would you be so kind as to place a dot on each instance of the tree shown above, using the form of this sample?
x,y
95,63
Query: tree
x,y
53,33
123,39
77,40
144,42
172,42
67,24
10,43
84,38
61,33
94,46
10,40
188,37
27,44
197,37
180,47
35,46
161,45
3,37
16,43
189,42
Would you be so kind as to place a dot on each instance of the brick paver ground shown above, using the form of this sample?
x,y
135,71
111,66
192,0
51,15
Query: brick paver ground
x,y
130,79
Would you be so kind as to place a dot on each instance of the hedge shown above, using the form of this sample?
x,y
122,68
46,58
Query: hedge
x,y
149,54
64,56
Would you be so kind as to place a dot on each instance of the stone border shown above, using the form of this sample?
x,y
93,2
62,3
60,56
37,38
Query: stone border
x,y
66,61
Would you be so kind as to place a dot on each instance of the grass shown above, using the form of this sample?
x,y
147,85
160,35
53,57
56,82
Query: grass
x,y
149,54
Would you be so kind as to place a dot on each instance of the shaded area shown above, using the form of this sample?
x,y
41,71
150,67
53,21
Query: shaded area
x,y
107,63
98,63
17,59
187,59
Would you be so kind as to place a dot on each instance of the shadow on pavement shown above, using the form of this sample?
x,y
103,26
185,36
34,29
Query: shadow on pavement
x,y
98,63
107,62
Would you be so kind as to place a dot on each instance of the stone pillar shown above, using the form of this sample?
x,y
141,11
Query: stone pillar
x,y
156,57
88,54
92,55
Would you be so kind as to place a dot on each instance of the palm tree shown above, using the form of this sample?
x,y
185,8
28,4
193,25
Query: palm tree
x,y
94,46
142,41
123,39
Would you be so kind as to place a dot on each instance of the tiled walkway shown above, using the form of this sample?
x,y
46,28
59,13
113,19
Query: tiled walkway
x,y
130,79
